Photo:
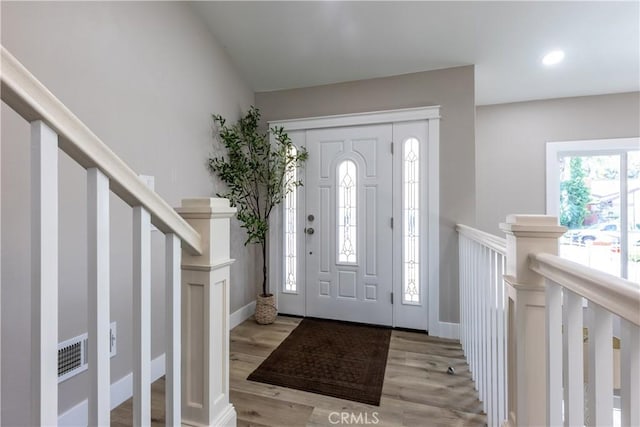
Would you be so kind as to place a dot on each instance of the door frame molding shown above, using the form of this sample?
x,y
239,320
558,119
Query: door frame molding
x,y
431,114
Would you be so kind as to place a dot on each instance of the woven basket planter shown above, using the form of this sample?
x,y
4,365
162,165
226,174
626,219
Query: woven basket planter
x,y
266,310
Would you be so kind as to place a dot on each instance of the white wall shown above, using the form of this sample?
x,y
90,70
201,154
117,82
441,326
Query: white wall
x,y
511,141
145,77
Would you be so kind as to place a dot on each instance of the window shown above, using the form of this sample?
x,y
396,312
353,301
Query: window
x,y
347,223
290,212
593,188
411,221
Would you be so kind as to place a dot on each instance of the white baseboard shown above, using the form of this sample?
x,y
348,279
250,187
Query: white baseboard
x,y
449,330
121,390
76,416
241,314
228,417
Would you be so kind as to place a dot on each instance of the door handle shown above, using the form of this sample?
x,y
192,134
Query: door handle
x,y
309,230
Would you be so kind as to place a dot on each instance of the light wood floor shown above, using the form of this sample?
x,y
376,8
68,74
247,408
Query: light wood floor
x,y
417,391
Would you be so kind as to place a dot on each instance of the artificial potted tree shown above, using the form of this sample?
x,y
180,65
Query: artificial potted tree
x,y
254,168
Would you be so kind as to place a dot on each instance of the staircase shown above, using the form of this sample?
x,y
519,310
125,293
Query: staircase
x,y
197,273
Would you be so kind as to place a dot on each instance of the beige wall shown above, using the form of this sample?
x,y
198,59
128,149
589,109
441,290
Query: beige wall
x,y
145,77
510,147
453,90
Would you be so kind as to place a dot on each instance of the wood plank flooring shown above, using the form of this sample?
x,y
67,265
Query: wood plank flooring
x,y
417,390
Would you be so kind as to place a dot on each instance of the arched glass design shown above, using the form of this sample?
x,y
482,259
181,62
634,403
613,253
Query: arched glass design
x,y
411,221
347,231
290,225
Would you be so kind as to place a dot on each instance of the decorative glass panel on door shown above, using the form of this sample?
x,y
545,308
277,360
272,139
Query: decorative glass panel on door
x,y
411,221
290,224
347,223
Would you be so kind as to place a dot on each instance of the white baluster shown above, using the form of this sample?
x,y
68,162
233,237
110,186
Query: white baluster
x,y
491,325
600,367
461,281
630,377
141,317
501,360
467,318
44,275
172,318
478,337
494,337
553,325
474,315
572,360
467,296
98,297
487,334
0,275
484,329
480,303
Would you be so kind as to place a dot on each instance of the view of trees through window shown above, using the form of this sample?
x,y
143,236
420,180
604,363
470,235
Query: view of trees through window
x,y
598,193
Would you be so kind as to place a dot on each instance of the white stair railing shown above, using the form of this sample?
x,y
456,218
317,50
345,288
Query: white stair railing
x,y
482,317
542,301
196,327
608,297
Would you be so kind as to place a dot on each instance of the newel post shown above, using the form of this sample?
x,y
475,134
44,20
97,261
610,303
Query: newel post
x,y
526,340
205,316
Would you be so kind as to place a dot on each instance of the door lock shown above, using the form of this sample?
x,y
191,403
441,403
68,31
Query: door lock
x,y
311,218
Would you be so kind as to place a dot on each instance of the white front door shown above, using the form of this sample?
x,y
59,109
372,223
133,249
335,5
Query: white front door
x,y
347,219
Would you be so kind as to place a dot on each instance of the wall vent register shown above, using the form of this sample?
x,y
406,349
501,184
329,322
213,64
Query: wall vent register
x,y
73,357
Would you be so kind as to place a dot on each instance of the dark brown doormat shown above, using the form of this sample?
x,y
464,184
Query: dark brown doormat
x,y
331,358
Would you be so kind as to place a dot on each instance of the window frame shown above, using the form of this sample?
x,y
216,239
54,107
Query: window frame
x,y
594,147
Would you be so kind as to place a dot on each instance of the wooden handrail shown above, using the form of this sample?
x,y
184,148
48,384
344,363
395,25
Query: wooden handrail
x,y
496,243
33,101
618,296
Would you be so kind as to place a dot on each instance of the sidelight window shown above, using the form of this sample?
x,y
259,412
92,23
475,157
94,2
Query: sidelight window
x,y
411,221
290,212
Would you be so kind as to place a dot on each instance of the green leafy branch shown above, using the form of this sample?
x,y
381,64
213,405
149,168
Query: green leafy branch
x,y
255,171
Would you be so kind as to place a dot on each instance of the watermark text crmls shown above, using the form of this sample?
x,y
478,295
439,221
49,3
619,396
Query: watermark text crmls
x,y
359,418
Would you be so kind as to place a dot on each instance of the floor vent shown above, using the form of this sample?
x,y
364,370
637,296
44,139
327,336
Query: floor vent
x,y
73,357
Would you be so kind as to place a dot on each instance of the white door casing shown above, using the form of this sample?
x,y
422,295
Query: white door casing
x,y
421,123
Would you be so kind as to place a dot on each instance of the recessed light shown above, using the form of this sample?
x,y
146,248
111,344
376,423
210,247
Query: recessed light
x,y
553,57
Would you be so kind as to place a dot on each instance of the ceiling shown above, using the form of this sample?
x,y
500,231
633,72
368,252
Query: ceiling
x,y
283,45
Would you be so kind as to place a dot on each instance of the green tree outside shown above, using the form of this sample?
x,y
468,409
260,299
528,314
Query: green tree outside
x,y
574,196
